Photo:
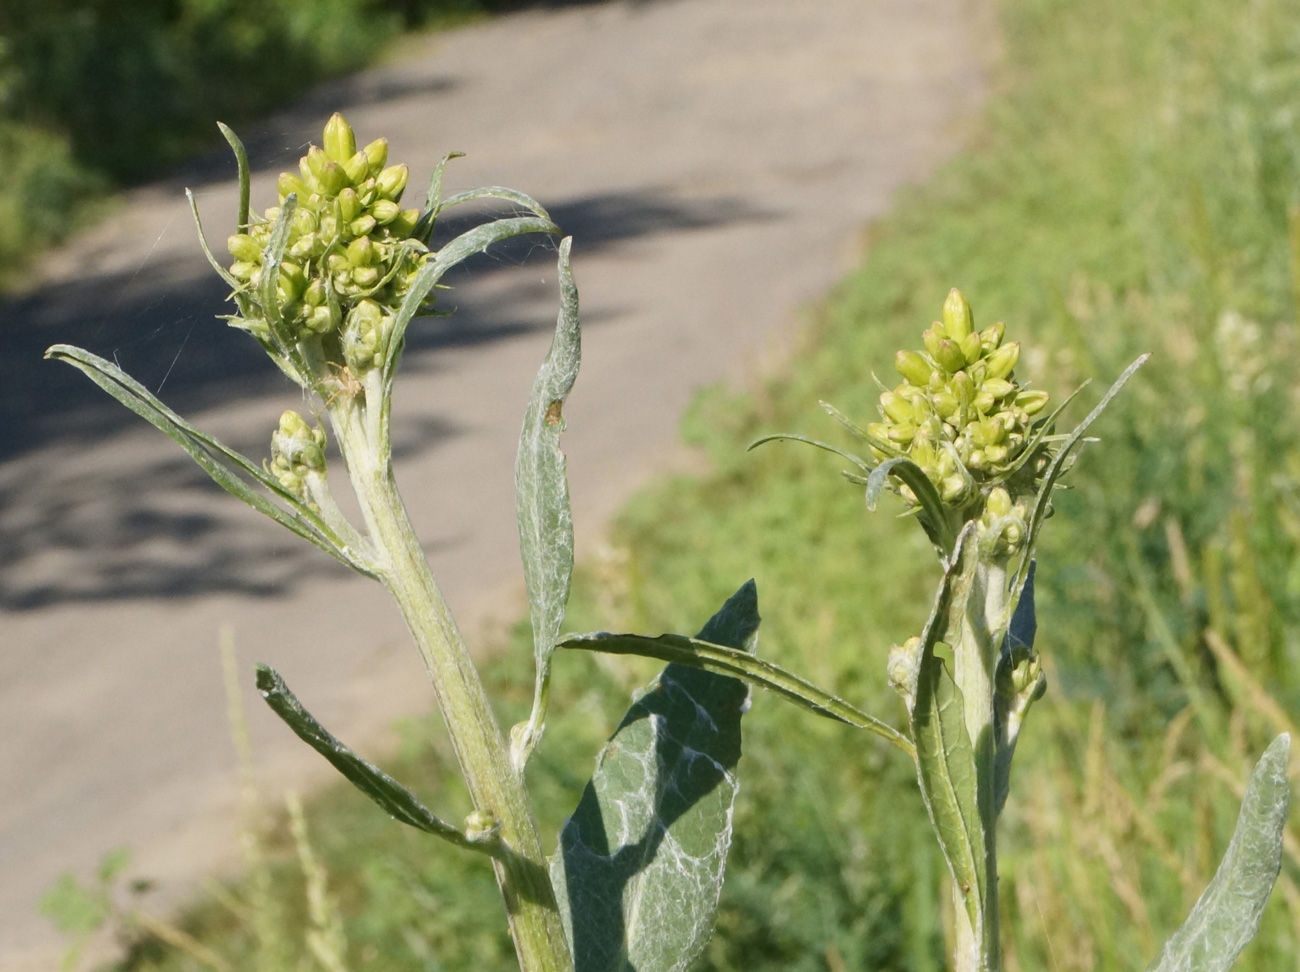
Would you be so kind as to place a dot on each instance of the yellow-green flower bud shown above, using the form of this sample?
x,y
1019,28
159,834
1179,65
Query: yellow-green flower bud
x,y
391,182
931,337
998,387
349,204
1032,401
357,168
244,248
971,348
362,226
957,318
912,367
998,503
903,668
292,281
296,450
404,225
365,277
376,156
322,319
1001,362
332,179
290,185
385,211
361,252
340,141
991,336
896,407
949,357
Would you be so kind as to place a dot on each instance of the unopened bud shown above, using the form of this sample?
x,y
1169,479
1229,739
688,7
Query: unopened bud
x,y
340,141
912,367
971,348
482,828
349,204
244,248
998,503
1003,360
998,387
957,318
896,407
357,167
290,185
904,668
361,252
991,336
404,225
385,211
1032,401
376,156
362,226
391,182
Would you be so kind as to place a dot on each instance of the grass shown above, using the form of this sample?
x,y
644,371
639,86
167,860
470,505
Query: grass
x,y
1135,187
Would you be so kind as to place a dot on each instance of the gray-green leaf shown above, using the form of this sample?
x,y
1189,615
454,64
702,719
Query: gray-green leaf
x,y
698,653
640,863
1227,915
396,800
542,499
228,469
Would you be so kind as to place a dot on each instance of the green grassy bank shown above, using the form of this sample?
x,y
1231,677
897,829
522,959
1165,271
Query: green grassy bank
x,y
1134,187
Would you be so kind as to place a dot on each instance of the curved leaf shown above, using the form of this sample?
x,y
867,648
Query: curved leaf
x,y
396,800
932,512
728,661
542,501
1226,917
856,460
214,457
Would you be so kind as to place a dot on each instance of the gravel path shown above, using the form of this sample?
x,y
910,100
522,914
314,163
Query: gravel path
x,y
715,160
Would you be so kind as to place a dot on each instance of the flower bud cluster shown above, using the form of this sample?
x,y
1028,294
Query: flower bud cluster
x,y
350,257
959,413
297,450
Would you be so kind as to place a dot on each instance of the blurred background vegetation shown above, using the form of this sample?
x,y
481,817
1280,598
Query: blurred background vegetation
x,y
1135,186
98,94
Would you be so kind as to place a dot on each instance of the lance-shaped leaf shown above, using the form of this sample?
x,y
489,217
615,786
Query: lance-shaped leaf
x,y
680,650
1227,915
945,756
217,460
396,800
931,511
456,251
640,863
542,501
1043,501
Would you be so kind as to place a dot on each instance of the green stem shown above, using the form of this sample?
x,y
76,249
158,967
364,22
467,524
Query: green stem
x,y
494,786
975,657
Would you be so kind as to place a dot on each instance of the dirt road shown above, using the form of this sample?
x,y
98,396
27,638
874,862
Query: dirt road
x,y
715,161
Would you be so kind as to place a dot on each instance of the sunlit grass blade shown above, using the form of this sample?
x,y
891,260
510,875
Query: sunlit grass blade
x,y
396,800
1226,917
542,501
213,457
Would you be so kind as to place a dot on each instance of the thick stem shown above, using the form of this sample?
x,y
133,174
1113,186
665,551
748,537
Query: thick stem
x,y
975,659
494,786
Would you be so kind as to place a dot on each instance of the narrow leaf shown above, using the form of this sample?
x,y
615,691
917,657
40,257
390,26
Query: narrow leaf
x,y
396,800
1044,499
945,762
494,192
456,251
241,161
932,512
433,199
1227,915
856,460
272,257
213,457
697,653
542,499
640,863
222,272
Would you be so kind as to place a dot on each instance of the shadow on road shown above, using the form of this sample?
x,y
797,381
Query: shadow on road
x,y
164,530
